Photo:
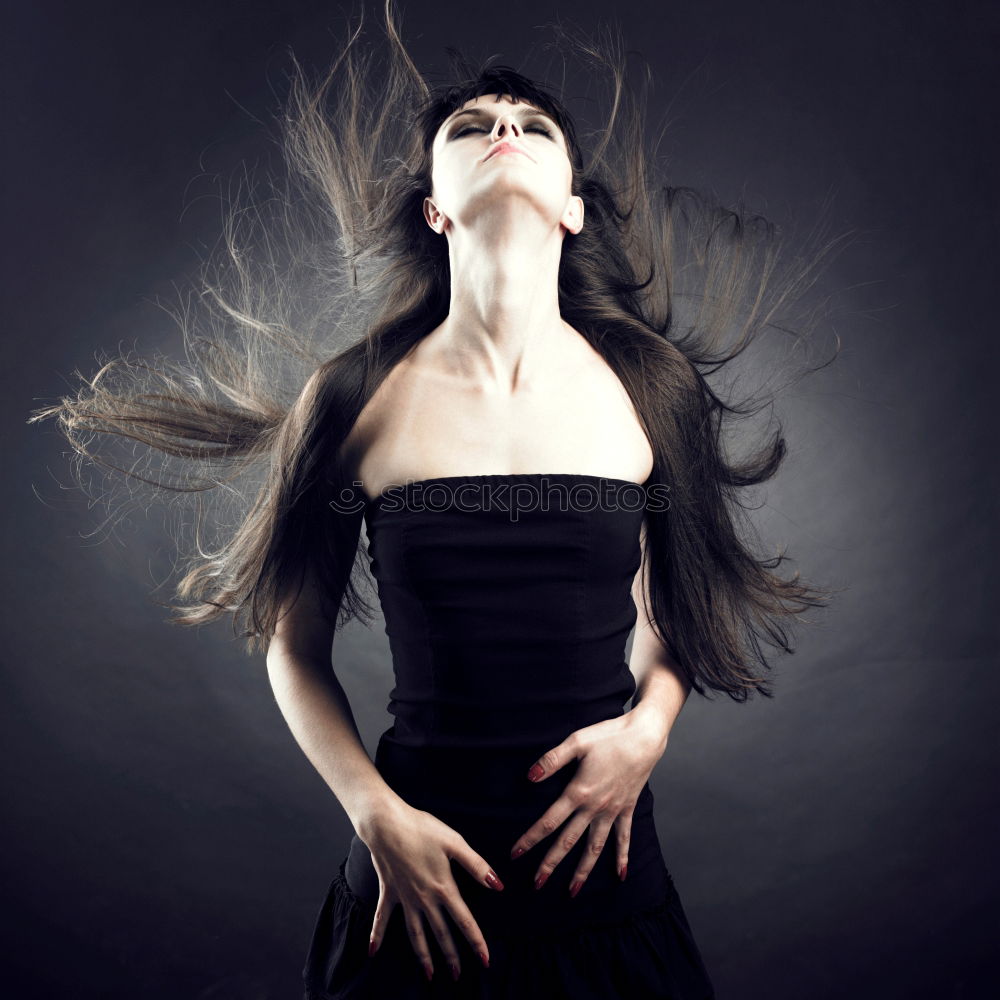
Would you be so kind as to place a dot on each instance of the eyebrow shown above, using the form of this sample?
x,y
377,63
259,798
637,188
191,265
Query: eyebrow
x,y
483,113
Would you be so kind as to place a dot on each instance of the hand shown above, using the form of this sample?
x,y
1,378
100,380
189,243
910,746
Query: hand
x,y
412,850
617,757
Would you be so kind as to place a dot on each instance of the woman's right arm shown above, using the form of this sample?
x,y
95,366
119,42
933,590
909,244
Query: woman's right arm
x,y
318,713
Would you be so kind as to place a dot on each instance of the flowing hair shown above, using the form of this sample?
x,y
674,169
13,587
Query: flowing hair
x,y
666,284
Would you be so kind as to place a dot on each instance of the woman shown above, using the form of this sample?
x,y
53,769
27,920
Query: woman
x,y
503,383
526,372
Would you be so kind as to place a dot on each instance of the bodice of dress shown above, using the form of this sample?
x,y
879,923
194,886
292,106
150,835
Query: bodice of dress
x,y
507,604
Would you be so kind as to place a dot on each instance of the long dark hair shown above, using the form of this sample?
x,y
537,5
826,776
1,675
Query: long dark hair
x,y
259,421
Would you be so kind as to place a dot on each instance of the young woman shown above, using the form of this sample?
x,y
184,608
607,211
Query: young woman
x,y
527,379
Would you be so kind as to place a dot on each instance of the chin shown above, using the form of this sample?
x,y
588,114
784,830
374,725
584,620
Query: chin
x,y
513,196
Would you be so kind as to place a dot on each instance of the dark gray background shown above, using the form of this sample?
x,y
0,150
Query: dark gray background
x,y
164,835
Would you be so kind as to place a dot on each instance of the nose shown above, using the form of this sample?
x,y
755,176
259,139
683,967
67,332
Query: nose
x,y
505,128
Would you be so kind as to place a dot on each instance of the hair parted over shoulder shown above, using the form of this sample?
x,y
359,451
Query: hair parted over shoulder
x,y
666,284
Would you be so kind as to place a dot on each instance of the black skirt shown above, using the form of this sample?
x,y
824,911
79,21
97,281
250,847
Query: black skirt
x,y
616,939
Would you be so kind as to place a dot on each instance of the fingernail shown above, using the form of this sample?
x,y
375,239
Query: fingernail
x,y
541,880
454,971
429,970
371,947
516,853
492,881
575,888
535,772
485,960
622,872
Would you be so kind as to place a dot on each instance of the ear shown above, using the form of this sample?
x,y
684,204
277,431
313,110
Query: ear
x,y
572,218
436,219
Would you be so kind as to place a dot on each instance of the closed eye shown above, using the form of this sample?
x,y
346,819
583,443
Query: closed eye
x,y
477,128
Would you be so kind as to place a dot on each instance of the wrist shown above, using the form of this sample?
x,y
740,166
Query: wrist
x,y
648,721
373,810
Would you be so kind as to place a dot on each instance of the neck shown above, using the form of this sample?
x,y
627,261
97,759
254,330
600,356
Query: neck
x,y
504,313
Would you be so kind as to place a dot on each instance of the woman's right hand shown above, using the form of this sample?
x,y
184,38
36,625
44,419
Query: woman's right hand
x,y
412,852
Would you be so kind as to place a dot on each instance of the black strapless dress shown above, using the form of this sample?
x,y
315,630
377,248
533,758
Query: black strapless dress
x,y
507,603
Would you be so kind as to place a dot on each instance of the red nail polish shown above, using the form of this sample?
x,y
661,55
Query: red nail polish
x,y
492,881
484,959
429,971
454,972
516,853
536,772
371,947
541,880
622,872
575,888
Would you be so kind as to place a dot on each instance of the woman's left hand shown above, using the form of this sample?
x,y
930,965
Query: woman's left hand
x,y
617,757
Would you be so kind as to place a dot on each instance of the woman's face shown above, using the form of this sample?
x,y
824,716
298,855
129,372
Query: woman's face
x,y
474,177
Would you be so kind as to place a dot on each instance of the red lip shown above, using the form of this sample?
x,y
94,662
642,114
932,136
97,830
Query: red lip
x,y
502,147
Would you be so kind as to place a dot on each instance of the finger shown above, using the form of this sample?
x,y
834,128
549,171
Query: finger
x,y
624,836
386,902
433,914
548,823
562,845
466,923
553,759
598,837
477,866
415,927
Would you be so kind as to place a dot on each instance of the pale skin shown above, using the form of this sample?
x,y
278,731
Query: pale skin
x,y
472,396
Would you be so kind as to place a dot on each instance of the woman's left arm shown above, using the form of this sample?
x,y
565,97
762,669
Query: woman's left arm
x,y
616,756
660,687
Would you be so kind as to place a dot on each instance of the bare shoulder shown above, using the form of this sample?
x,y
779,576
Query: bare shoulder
x,y
606,409
603,377
376,413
